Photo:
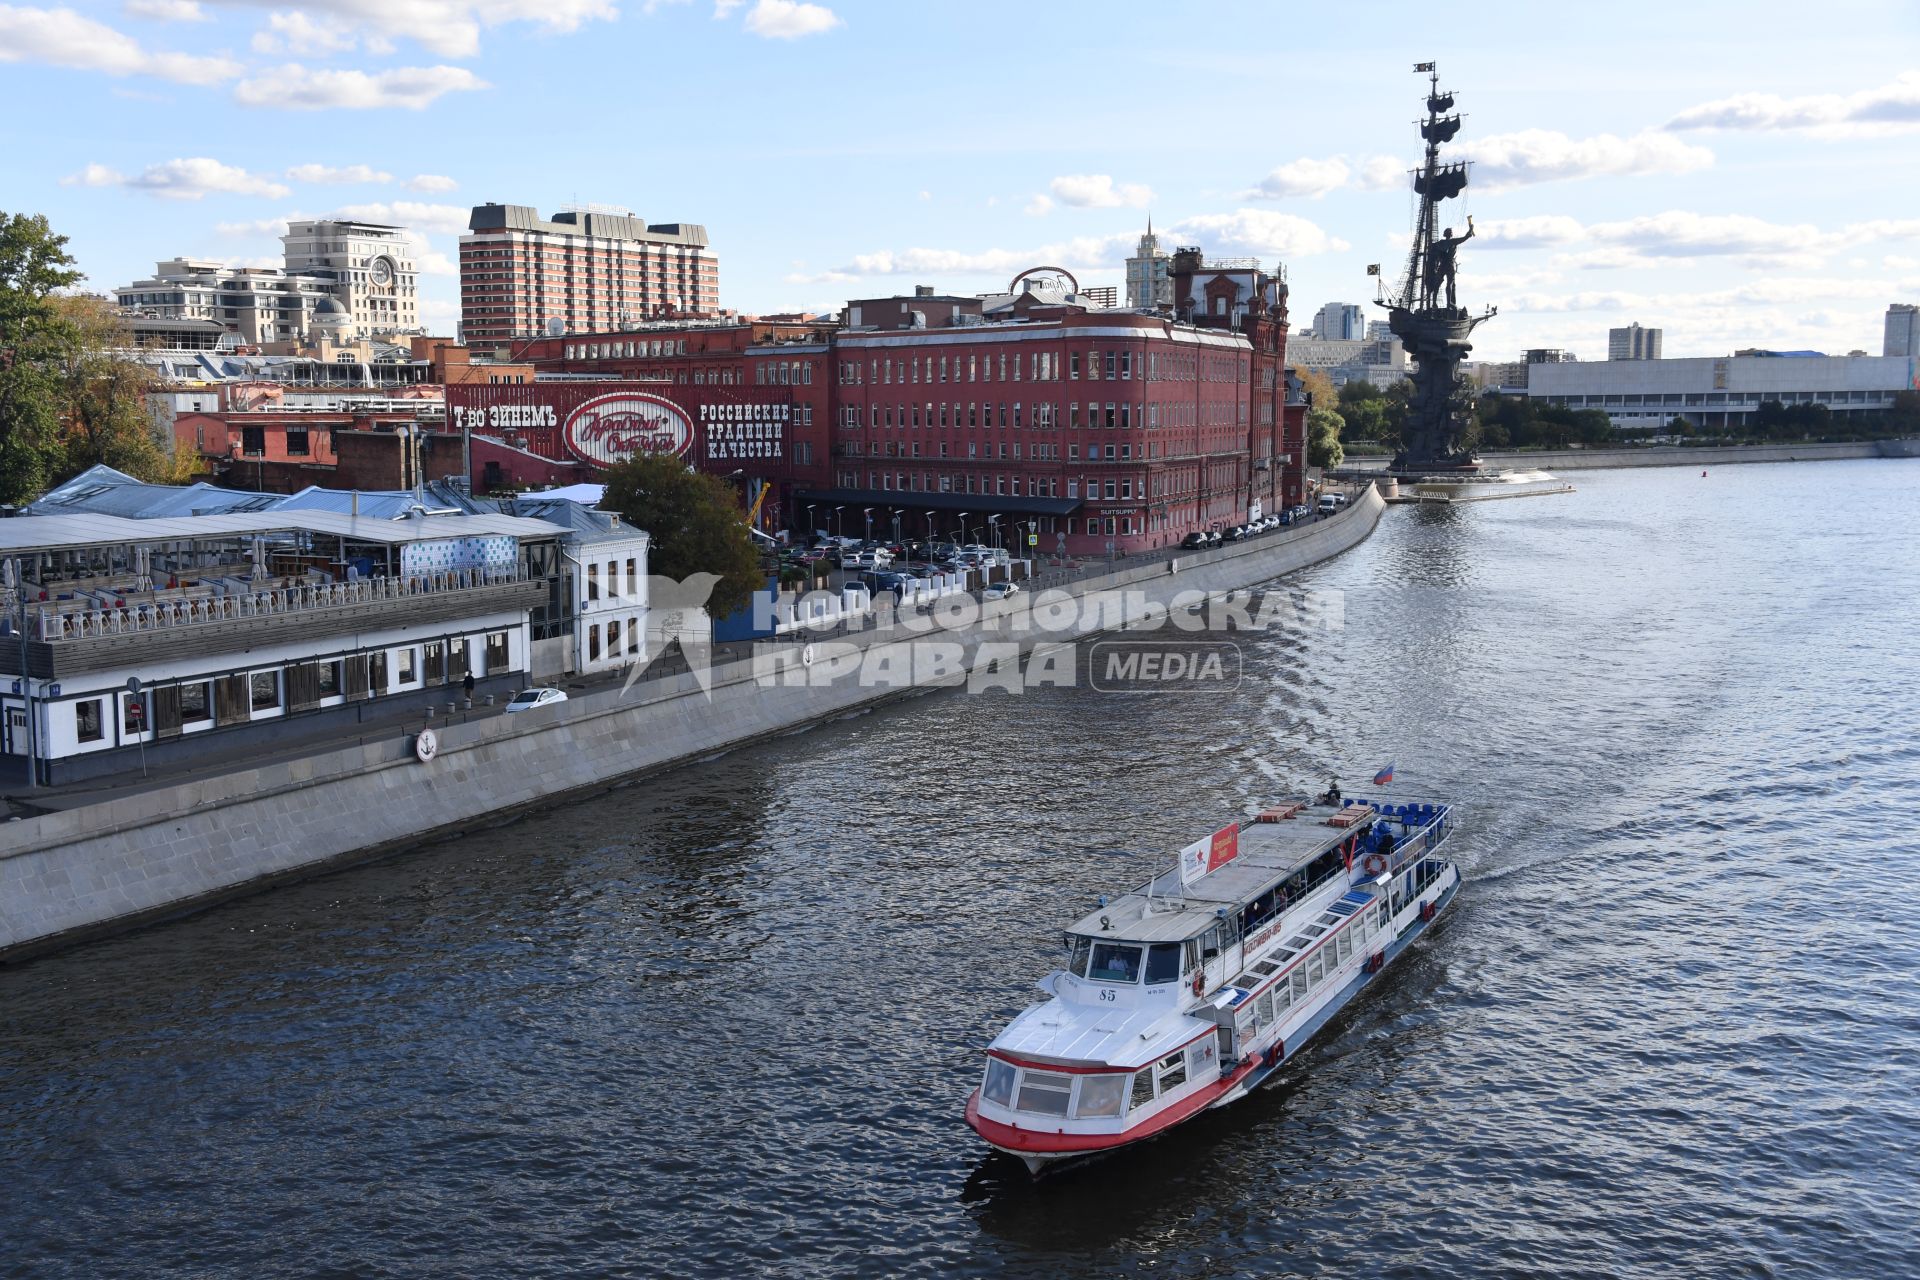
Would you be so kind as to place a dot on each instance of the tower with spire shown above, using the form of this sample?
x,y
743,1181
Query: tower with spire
x,y
1149,283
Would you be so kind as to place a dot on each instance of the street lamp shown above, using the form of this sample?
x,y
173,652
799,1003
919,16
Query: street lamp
x,y
993,524
963,526
868,512
836,520
810,507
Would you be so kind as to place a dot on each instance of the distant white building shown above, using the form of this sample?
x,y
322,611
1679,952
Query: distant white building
x,y
1340,322
364,267
1722,392
370,266
1903,331
1633,343
1149,284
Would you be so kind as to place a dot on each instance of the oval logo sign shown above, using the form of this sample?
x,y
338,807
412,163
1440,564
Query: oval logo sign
x,y
611,429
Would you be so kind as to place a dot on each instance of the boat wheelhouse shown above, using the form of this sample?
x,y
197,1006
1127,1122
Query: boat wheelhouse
x,y
1191,991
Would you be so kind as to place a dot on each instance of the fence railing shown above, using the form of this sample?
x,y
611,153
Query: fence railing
x,y
226,604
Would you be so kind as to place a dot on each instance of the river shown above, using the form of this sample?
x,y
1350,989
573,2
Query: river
x,y
723,1022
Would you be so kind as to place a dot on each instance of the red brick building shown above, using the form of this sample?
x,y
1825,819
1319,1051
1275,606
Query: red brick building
x,y
1023,415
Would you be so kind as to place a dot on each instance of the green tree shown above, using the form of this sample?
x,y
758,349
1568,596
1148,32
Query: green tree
x,y
1323,438
694,525
103,396
33,264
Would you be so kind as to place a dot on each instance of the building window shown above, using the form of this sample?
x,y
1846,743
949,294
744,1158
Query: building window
x,y
593,582
265,690
253,441
406,667
327,679
496,652
86,720
593,643
296,443
193,703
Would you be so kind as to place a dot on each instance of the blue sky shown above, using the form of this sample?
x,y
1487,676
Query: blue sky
x,y
1739,175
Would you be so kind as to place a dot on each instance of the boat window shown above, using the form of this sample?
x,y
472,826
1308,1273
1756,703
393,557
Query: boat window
x,y
1315,971
999,1086
1045,1092
1345,945
1163,963
1173,1071
1112,962
1266,1006
1299,983
1282,996
1142,1087
1078,949
1101,1095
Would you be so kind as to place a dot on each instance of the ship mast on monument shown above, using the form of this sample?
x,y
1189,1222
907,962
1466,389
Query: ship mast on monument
x,y
1425,312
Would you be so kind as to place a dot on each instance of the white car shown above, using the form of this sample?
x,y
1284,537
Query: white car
x,y
999,590
528,699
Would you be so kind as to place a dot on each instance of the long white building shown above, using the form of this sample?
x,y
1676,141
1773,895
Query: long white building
x,y
1723,392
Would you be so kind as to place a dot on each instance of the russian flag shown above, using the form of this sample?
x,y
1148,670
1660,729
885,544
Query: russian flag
x,y
1383,777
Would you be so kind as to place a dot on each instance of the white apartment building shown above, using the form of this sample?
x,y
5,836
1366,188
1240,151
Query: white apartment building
x,y
372,271
1149,282
257,304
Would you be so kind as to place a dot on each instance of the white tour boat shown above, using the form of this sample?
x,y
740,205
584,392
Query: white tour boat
x,y
1191,991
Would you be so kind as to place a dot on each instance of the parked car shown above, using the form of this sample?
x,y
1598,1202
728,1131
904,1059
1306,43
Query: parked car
x,y
871,558
528,699
1198,538
1233,534
999,590
1214,538
1329,503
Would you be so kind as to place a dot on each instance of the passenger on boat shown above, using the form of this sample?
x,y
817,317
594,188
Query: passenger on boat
x,y
1332,795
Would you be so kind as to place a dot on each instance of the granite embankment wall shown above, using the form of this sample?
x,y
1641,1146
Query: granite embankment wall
x,y
76,873
1661,456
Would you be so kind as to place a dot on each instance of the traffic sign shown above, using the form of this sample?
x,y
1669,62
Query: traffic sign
x,y
1033,539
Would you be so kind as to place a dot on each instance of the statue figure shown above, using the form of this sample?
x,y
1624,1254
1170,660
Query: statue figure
x,y
1441,264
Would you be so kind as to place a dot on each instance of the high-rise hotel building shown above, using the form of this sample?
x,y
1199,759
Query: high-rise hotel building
x,y
580,271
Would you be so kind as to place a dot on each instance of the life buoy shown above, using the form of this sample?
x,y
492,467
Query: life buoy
x,y
1426,911
1375,864
1277,1054
1199,983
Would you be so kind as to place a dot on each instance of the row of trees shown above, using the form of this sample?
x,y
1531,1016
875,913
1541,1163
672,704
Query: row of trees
x,y
69,396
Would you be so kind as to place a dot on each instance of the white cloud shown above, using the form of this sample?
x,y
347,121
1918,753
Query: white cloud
x,y
430,182
1099,191
255,227
1382,173
1544,155
1886,109
296,88
63,38
412,214
724,9
926,195
295,33
429,260
1039,206
353,174
450,28
1303,177
1264,232
790,19
181,180
166,10
1529,233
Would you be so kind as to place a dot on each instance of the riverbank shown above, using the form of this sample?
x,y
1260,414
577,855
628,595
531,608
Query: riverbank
x,y
1675,456
142,855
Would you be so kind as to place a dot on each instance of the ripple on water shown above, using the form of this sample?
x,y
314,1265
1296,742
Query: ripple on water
x,y
722,1022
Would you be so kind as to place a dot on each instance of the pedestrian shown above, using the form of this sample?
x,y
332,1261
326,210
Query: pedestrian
x,y
466,686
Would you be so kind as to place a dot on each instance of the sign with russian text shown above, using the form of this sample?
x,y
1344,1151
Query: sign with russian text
x,y
611,429
1209,853
739,431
